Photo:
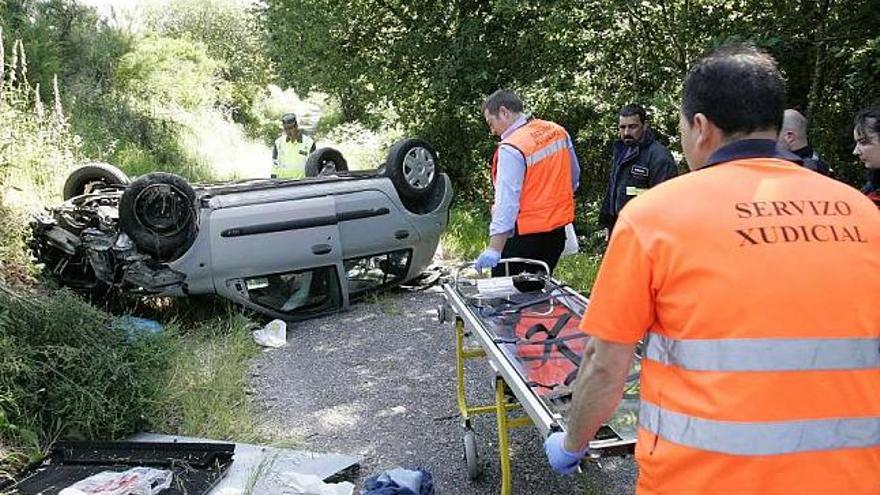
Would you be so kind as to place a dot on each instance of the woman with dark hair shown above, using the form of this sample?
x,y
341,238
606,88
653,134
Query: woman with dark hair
x,y
866,132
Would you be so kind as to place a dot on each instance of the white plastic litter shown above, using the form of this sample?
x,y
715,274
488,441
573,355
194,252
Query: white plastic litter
x,y
309,484
135,481
274,334
571,241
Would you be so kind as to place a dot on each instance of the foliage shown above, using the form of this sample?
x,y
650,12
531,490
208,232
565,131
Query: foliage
x,y
68,372
36,151
167,73
574,62
204,387
467,233
67,39
231,35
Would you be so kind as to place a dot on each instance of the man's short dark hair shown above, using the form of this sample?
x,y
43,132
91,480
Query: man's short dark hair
x,y
737,87
633,109
288,119
502,98
868,120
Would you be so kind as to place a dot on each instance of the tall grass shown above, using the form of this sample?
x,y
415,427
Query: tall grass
x,y
467,233
204,387
68,370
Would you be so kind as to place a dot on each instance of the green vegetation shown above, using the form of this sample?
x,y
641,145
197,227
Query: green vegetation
x,y
87,375
66,371
467,233
575,62
69,369
187,91
204,387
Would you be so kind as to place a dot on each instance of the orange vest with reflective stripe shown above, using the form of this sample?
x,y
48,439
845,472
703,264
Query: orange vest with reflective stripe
x,y
547,200
773,393
761,365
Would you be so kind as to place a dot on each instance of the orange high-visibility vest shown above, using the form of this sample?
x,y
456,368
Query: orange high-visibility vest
x,y
761,364
547,200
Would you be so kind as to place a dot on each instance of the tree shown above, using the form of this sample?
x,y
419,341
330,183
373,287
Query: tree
x,y
573,61
231,34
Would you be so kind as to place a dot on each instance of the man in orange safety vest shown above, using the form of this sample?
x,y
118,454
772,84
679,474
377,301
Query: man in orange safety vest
x,y
752,283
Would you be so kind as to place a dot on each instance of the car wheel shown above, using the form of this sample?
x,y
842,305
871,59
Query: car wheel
x,y
158,212
84,179
325,161
413,168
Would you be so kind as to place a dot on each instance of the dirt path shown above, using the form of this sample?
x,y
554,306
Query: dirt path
x,y
379,381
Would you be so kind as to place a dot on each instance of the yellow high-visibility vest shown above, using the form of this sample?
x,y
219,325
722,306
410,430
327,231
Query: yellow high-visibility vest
x,y
291,160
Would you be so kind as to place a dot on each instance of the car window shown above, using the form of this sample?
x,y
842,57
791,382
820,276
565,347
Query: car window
x,y
302,293
371,272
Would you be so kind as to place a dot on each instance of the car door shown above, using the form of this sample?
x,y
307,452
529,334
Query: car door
x,y
377,240
281,257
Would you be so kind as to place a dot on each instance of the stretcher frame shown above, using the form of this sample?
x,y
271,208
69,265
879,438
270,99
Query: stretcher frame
x,y
509,381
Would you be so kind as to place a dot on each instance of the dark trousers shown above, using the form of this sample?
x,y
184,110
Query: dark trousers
x,y
544,246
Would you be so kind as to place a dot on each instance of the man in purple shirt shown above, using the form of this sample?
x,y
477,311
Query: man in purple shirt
x,y
503,111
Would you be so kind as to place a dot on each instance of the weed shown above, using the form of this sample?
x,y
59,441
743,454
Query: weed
x,y
467,232
67,371
204,386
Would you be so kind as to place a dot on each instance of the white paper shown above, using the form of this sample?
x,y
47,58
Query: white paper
x,y
309,484
496,287
571,241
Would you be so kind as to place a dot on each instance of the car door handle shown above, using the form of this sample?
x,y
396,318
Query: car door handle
x,y
401,234
322,248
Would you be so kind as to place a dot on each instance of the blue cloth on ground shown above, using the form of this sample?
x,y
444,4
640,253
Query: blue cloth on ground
x,y
399,481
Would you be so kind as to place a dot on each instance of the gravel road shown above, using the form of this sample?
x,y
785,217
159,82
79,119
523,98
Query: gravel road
x,y
379,381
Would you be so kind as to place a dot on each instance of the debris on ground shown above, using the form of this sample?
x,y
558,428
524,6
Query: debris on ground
x,y
309,484
274,334
400,481
261,469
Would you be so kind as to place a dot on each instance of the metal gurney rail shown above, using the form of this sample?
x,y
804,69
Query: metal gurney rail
x,y
505,316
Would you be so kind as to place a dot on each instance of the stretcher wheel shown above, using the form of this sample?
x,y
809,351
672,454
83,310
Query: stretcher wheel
x,y
470,454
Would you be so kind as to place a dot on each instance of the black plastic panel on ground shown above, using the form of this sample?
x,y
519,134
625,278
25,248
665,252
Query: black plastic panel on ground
x,y
197,467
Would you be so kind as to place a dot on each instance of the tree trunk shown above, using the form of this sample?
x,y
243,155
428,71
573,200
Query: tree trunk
x,y
820,48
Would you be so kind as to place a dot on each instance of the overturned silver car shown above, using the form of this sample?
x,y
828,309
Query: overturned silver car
x,y
289,249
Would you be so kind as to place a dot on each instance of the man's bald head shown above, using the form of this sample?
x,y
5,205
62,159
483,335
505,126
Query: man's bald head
x,y
793,134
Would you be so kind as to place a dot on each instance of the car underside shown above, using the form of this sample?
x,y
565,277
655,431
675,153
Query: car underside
x,y
290,249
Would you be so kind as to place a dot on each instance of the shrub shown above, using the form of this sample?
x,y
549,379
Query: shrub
x,y
232,35
163,74
68,372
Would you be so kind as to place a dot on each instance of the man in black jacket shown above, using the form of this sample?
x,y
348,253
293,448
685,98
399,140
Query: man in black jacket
x,y
793,137
639,162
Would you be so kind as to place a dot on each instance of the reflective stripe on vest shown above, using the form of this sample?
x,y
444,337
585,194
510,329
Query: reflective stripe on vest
x,y
759,438
775,354
555,146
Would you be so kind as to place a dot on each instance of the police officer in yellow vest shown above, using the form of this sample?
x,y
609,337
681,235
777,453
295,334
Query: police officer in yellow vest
x,y
291,150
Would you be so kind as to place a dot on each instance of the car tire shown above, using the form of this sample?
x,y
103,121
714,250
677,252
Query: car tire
x,y
325,161
158,213
413,168
82,179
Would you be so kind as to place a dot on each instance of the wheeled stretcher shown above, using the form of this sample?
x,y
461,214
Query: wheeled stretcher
x,y
526,325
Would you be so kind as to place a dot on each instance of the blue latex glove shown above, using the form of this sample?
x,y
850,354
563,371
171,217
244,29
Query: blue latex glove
x,y
487,259
561,460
